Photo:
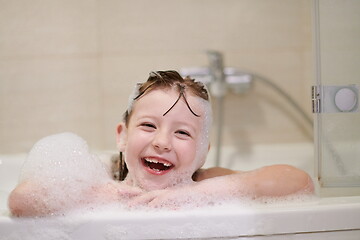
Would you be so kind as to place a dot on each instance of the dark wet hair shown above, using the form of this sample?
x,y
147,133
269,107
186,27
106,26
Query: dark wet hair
x,y
169,79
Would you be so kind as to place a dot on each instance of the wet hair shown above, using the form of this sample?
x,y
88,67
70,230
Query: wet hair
x,y
166,80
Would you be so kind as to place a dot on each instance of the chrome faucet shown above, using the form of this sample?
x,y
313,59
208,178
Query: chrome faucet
x,y
216,71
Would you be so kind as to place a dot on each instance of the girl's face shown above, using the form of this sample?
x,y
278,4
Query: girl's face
x,y
162,151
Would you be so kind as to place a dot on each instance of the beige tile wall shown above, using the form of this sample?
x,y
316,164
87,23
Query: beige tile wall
x,y
69,65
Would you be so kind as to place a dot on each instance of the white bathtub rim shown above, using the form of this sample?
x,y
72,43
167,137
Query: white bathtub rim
x,y
326,214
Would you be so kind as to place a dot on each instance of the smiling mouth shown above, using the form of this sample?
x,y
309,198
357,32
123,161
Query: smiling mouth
x,y
157,165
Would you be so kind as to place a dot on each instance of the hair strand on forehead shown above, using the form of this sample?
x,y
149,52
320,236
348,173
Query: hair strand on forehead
x,y
181,94
168,80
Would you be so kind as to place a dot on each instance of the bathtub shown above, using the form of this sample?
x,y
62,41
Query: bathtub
x,y
330,217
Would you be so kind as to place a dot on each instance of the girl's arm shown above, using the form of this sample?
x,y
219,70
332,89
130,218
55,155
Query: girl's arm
x,y
203,174
220,184
271,181
27,200
274,180
30,199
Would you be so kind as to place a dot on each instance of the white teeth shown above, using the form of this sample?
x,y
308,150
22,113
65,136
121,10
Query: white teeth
x,y
152,160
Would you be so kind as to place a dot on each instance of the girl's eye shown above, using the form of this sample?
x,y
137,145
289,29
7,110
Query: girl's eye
x,y
148,126
184,133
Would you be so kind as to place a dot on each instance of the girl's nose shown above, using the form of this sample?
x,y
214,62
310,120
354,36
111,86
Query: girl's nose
x,y
162,141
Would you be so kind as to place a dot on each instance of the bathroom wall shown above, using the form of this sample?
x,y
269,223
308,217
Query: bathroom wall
x,y
69,65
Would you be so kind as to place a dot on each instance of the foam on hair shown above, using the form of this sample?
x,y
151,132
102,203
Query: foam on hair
x,y
204,139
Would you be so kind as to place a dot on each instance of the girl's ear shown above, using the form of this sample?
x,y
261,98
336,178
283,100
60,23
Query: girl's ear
x,y
121,137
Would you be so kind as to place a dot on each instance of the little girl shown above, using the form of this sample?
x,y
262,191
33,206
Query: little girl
x,y
163,143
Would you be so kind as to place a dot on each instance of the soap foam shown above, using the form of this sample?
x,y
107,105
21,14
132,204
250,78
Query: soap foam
x,y
63,157
63,166
62,169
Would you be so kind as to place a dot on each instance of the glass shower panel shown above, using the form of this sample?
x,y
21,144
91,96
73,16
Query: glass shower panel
x,y
337,24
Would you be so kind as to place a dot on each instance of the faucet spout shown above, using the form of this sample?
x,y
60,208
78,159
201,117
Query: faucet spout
x,y
216,69
216,65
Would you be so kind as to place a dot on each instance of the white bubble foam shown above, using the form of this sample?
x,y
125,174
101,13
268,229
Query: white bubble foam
x,y
63,157
62,169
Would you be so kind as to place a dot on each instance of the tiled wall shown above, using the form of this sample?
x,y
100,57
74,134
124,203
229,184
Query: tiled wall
x,y
69,65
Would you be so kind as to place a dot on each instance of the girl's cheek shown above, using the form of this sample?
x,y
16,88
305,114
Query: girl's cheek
x,y
189,150
137,135
143,138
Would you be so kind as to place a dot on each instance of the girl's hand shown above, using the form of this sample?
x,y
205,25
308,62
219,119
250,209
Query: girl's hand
x,y
113,192
191,195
